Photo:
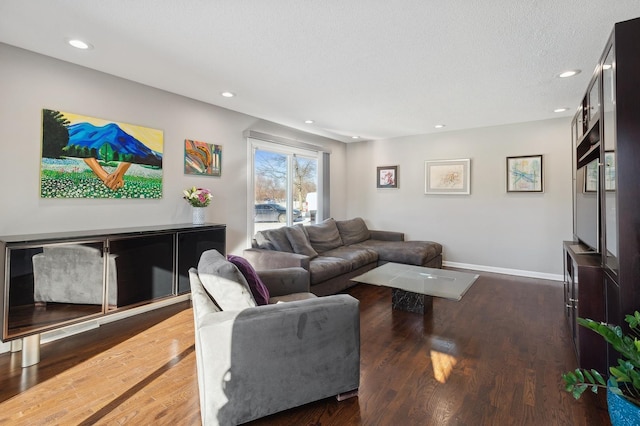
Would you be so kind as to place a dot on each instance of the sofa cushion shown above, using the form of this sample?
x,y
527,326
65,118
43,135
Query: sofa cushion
x,y
353,231
259,291
323,268
224,282
357,256
300,241
324,236
274,239
409,252
292,297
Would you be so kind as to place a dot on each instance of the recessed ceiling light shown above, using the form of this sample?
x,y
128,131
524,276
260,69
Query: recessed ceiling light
x,y
228,94
355,137
79,44
439,126
309,121
569,73
561,109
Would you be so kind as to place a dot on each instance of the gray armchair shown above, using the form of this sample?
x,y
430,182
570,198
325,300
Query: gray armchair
x,y
261,360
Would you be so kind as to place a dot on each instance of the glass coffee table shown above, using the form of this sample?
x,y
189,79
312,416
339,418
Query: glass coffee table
x,y
413,287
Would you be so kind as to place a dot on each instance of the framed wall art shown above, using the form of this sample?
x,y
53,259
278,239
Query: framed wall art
x,y
610,170
88,157
387,177
591,173
201,158
591,177
524,173
447,176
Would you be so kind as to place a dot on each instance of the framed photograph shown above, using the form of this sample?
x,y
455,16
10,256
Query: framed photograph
x,y
524,173
447,176
387,177
201,158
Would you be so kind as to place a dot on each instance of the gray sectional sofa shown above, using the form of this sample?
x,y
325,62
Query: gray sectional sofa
x,y
335,251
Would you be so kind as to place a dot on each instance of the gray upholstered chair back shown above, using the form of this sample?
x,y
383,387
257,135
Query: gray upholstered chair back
x,y
261,360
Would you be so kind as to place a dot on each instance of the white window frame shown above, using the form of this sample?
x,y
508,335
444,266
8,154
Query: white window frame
x,y
307,151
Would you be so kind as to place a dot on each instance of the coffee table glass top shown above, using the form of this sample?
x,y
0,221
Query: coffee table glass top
x,y
418,279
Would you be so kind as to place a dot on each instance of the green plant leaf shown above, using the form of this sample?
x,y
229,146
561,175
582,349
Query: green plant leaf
x,y
598,377
624,378
578,390
633,320
588,376
620,375
617,391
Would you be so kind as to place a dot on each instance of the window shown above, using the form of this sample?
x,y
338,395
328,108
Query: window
x,y
284,186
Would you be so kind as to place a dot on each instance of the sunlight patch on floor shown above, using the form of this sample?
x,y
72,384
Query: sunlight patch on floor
x,y
125,369
442,365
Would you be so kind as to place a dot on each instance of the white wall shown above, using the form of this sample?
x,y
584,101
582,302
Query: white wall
x,y
30,82
490,229
520,232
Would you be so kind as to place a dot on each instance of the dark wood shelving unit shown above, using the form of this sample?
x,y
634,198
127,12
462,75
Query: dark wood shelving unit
x,y
589,146
606,128
584,295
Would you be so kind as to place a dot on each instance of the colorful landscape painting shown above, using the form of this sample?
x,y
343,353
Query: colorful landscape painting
x,y
201,158
88,157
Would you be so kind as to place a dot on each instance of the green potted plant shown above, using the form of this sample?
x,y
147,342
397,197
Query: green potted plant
x,y
623,385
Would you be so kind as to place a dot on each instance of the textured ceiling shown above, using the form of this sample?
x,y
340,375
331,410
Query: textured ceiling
x,y
373,68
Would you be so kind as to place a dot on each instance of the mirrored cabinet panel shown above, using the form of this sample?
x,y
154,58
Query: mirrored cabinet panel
x,y
141,269
609,163
191,244
594,103
54,280
52,284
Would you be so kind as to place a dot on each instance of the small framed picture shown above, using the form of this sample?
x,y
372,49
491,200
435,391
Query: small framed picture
x,y
201,158
591,177
524,173
610,170
387,177
447,177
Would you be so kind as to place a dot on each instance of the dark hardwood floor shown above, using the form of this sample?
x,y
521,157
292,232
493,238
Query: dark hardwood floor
x,y
493,358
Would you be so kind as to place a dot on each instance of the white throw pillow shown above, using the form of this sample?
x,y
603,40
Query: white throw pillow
x,y
224,282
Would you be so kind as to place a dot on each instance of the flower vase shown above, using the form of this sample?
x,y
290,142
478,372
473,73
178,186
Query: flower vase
x,y
198,215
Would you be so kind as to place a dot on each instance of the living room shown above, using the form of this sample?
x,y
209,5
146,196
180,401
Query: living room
x,y
491,229
518,234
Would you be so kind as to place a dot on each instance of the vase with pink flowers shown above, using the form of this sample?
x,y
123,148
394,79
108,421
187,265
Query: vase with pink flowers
x,y
199,198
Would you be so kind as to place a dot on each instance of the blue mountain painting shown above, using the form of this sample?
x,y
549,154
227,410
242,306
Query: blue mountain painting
x,y
109,143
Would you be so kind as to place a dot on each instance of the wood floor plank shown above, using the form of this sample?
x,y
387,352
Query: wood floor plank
x,y
493,358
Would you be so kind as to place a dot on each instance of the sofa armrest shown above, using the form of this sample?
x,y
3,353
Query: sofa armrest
x,y
285,281
262,259
254,361
387,235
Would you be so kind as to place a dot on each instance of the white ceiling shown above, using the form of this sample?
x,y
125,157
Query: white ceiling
x,y
373,68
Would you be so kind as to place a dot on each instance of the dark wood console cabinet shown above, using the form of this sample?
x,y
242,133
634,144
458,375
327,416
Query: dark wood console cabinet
x,y
57,279
606,135
584,297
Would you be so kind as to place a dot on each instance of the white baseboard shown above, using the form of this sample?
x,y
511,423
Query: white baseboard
x,y
70,330
506,271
